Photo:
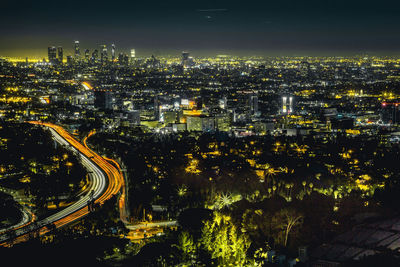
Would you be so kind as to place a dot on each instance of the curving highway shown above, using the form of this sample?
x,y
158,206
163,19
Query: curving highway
x,y
123,196
105,181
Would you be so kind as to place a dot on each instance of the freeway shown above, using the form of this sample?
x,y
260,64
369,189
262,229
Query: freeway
x,y
122,199
105,181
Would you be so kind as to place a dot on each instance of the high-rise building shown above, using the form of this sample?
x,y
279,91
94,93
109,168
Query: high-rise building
x,y
103,99
290,104
185,55
133,56
253,103
223,122
284,104
169,116
104,56
123,59
208,124
95,55
185,58
60,54
113,52
390,112
223,103
287,104
156,108
77,50
69,60
194,123
134,117
52,54
87,54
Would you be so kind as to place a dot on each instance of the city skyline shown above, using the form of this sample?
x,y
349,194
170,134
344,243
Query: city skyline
x,y
200,133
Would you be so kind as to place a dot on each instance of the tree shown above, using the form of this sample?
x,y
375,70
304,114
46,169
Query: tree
x,y
186,245
222,239
285,220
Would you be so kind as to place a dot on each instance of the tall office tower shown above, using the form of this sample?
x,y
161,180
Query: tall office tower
x,y
113,52
253,103
104,56
290,104
60,54
390,112
87,53
223,122
223,103
95,55
156,108
77,50
185,58
103,99
123,59
52,54
284,104
69,60
133,55
194,123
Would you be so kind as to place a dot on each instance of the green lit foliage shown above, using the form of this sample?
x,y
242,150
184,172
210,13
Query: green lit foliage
x,y
261,254
186,245
224,241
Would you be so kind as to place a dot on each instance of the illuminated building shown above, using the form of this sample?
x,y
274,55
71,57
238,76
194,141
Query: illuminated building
x,y
390,112
87,54
223,103
113,52
200,124
69,60
185,58
156,108
284,104
133,54
104,56
77,50
223,122
95,55
194,123
287,105
169,116
207,124
187,104
60,54
123,59
103,99
52,54
179,127
134,117
253,103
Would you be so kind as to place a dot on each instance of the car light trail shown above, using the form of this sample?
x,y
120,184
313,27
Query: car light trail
x,y
105,181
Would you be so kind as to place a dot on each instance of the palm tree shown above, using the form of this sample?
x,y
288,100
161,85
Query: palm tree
x,y
285,220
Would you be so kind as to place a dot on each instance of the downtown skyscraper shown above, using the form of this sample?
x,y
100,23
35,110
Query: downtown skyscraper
x,y
77,50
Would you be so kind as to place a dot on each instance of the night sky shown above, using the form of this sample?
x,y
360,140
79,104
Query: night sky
x,y
248,27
